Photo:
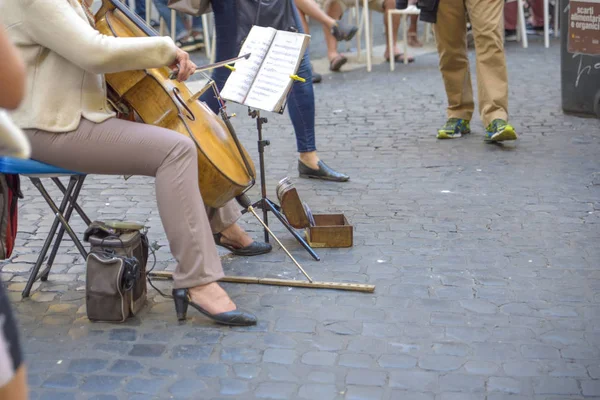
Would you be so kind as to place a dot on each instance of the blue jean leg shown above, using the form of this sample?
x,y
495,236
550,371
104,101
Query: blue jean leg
x,y
301,100
165,12
140,8
226,47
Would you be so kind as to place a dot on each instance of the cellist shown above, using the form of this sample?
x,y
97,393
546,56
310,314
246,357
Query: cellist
x,y
69,124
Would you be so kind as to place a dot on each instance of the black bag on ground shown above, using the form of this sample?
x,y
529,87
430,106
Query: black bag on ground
x,y
116,270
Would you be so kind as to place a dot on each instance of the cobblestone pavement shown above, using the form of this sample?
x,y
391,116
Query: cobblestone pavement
x,y
485,260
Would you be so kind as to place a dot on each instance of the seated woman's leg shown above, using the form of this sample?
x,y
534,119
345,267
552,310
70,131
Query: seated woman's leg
x,y
117,147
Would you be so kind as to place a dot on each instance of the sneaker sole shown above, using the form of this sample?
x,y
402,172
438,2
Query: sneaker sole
x,y
444,135
506,134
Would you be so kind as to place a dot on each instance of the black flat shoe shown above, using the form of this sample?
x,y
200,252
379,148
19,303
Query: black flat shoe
x,y
254,249
234,318
316,77
324,172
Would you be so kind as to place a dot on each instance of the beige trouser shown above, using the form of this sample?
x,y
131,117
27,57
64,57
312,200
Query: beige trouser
x,y
492,80
117,147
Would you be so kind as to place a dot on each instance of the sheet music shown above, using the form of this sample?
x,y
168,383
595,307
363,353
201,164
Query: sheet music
x,y
273,78
257,44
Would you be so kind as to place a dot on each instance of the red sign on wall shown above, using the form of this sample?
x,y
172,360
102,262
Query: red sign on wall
x,y
584,27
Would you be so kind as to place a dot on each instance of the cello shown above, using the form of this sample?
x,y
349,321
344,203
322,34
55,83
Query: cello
x,y
225,170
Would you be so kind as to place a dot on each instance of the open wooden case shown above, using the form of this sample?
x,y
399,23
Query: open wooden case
x,y
322,230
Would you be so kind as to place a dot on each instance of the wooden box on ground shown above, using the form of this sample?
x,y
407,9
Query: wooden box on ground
x,y
322,230
330,230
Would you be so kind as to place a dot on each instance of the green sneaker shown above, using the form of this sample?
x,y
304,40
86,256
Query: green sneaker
x,y
454,128
499,130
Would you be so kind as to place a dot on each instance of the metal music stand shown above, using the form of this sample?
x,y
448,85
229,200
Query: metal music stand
x,y
264,202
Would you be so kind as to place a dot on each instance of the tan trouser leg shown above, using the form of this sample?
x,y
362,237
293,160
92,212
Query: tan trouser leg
x,y
451,37
221,218
492,78
117,147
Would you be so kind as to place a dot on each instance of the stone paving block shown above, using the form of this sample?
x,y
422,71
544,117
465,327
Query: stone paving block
x,y
280,356
57,396
280,373
212,370
126,367
363,393
161,372
402,394
145,386
504,385
86,365
356,360
101,383
246,371
61,381
192,352
539,352
462,383
457,396
318,391
240,355
321,377
480,367
561,386
275,390
366,378
590,388
126,335
188,388
440,363
233,387
397,361
147,350
319,358
414,380
295,325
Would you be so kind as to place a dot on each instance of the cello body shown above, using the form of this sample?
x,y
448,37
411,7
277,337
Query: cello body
x,y
225,170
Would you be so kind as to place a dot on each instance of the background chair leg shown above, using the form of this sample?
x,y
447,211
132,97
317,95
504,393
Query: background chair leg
x,y
79,210
521,22
546,23
72,200
36,268
557,12
390,41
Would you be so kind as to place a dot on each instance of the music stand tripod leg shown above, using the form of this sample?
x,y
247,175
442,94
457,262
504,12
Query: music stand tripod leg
x,y
272,207
251,209
264,203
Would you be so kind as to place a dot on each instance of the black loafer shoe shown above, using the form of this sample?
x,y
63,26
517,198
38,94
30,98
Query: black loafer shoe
x,y
316,77
324,172
183,299
254,249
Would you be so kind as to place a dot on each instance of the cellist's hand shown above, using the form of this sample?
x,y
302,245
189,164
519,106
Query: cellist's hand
x,y
183,65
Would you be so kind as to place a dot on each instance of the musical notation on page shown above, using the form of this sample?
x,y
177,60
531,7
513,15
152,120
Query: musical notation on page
x,y
263,81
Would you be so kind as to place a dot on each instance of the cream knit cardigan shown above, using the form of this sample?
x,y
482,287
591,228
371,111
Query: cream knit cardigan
x,y
66,59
